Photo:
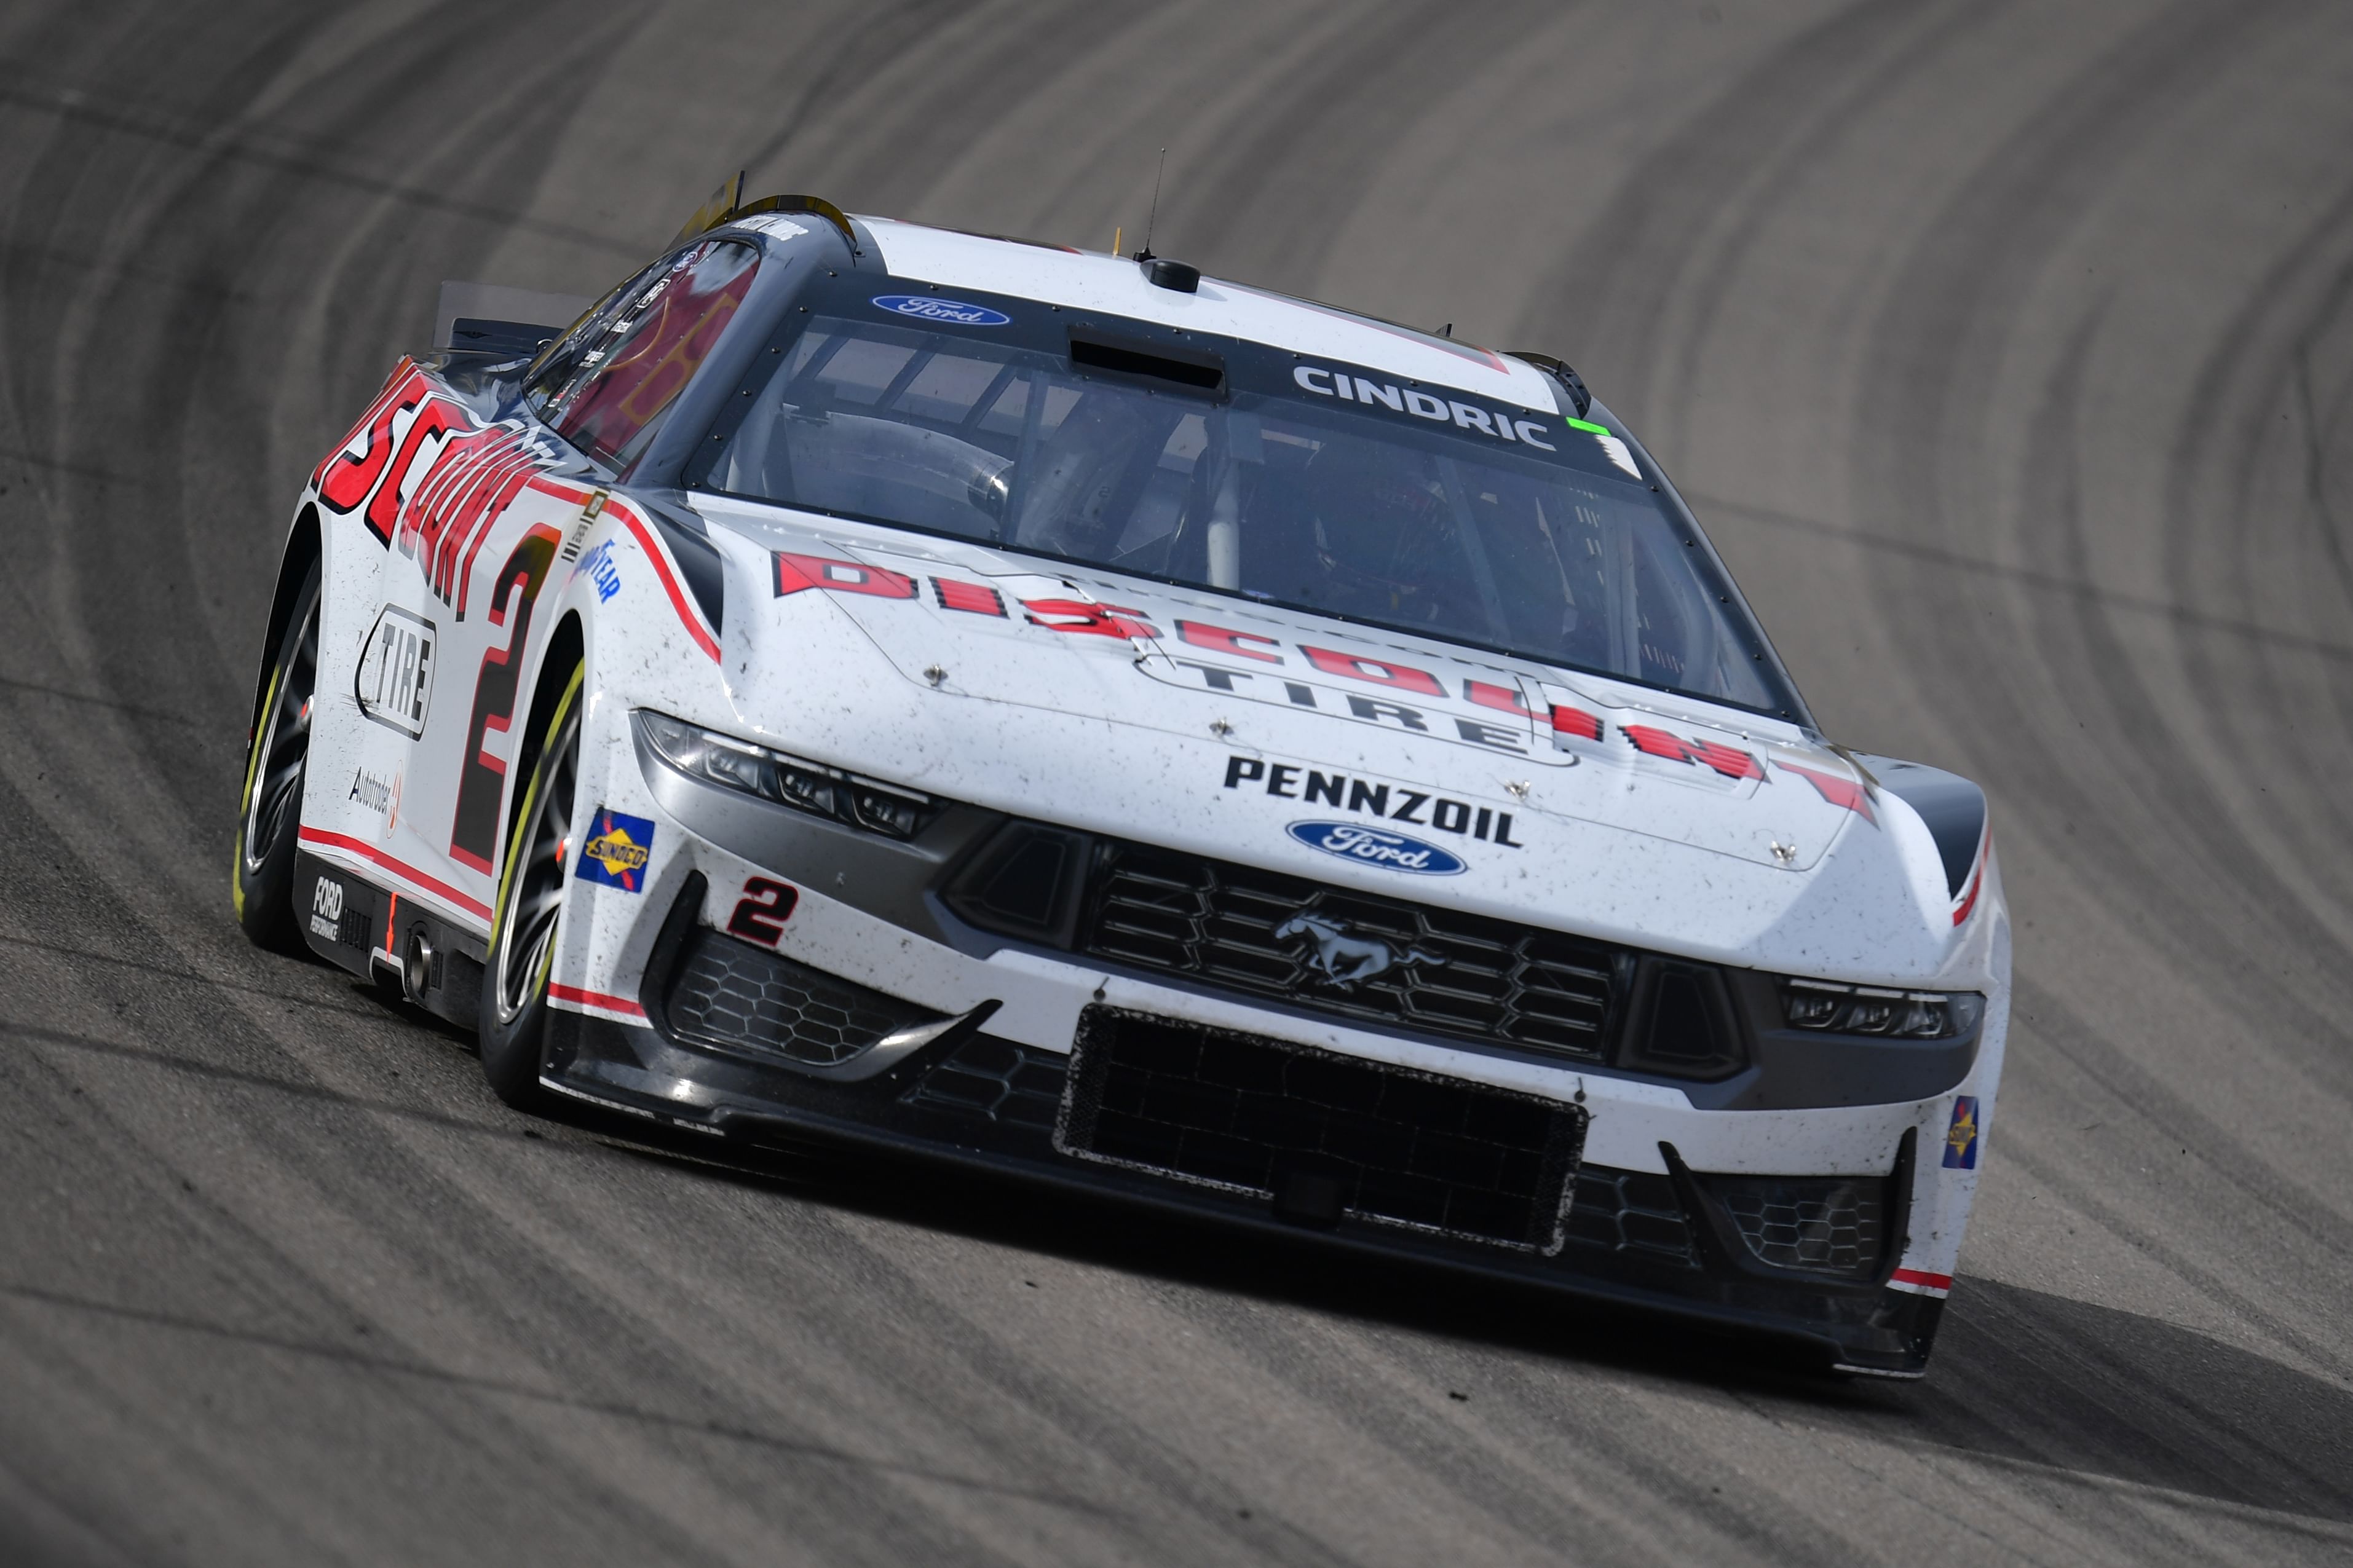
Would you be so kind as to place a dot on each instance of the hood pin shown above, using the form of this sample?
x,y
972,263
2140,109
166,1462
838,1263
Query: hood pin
x,y
1517,788
1783,853
1220,729
934,674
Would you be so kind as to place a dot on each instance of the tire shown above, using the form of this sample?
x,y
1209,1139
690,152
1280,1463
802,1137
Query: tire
x,y
269,812
529,917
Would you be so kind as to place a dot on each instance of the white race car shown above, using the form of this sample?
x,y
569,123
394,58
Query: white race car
x,y
1057,713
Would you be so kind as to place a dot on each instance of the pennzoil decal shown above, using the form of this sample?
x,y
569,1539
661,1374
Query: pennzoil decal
x,y
1391,802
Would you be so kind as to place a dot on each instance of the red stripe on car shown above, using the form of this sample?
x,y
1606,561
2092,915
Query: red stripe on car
x,y
575,995
401,868
660,558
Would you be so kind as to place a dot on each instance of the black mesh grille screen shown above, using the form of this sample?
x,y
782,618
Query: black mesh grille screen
x,y
997,1079
1242,1112
1352,954
1629,1212
735,996
1824,1222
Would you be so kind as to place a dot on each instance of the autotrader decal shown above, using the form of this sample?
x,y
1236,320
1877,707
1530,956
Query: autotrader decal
x,y
1287,781
1375,846
614,852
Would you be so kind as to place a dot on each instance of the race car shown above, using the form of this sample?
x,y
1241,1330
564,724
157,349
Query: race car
x,y
1056,712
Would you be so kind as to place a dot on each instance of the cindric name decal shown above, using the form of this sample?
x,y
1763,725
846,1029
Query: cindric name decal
x,y
1503,423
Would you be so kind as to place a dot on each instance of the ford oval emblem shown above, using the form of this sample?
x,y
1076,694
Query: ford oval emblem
x,y
1377,847
932,308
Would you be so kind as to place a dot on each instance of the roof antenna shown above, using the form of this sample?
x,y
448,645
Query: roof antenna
x,y
1146,254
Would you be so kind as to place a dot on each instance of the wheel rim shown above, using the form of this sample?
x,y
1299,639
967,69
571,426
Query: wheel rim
x,y
285,746
527,926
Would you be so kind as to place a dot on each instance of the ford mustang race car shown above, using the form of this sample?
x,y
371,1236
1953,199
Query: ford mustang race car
x,y
1057,713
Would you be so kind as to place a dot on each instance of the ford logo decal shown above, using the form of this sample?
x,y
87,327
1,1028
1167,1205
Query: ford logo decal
x,y
932,308
1377,847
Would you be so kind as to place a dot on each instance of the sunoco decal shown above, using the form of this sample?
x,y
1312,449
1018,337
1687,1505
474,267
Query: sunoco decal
x,y
932,308
1961,1137
1372,846
616,850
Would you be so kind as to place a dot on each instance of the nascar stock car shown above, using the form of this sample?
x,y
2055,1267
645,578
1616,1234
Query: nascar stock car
x,y
1055,711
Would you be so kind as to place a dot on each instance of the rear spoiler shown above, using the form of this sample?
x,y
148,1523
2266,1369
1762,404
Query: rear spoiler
x,y
514,322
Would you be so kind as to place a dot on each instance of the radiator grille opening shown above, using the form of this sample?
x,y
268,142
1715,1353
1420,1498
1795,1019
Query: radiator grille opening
x,y
1264,1117
1357,955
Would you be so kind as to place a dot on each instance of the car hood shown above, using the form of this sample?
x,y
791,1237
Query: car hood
x,y
1339,752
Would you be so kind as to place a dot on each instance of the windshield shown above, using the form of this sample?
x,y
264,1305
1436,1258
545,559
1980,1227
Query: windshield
x,y
1225,465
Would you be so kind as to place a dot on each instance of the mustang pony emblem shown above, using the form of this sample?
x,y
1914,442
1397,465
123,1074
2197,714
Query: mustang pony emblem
x,y
1343,959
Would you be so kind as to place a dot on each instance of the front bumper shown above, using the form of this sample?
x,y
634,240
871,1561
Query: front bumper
x,y
982,1076
1659,1241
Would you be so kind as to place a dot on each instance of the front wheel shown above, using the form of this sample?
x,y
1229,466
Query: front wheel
x,y
530,910
269,816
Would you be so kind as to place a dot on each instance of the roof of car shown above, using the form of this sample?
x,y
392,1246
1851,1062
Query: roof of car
x,y
1095,281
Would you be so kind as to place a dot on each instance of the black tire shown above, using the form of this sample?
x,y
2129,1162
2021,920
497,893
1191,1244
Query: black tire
x,y
269,812
529,914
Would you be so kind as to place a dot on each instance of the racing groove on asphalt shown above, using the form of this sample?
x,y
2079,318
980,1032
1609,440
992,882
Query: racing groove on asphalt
x,y
2008,353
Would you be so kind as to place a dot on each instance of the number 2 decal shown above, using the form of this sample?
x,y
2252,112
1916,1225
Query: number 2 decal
x,y
763,911
481,778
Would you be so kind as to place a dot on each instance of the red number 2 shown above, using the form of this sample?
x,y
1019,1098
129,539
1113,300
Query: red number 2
x,y
762,913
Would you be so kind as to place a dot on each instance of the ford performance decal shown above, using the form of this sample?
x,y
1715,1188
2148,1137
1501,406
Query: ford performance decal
x,y
930,308
1377,847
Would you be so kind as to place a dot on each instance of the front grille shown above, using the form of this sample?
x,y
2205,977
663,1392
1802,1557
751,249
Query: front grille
x,y
1827,1224
1357,954
1250,1115
1629,1212
736,997
997,1079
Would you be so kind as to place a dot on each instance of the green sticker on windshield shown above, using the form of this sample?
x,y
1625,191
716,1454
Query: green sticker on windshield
x,y
1590,428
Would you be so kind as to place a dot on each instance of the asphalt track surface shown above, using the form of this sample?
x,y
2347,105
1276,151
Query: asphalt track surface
x,y
2008,352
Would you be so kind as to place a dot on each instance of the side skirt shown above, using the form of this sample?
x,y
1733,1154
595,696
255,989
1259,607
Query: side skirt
x,y
357,926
